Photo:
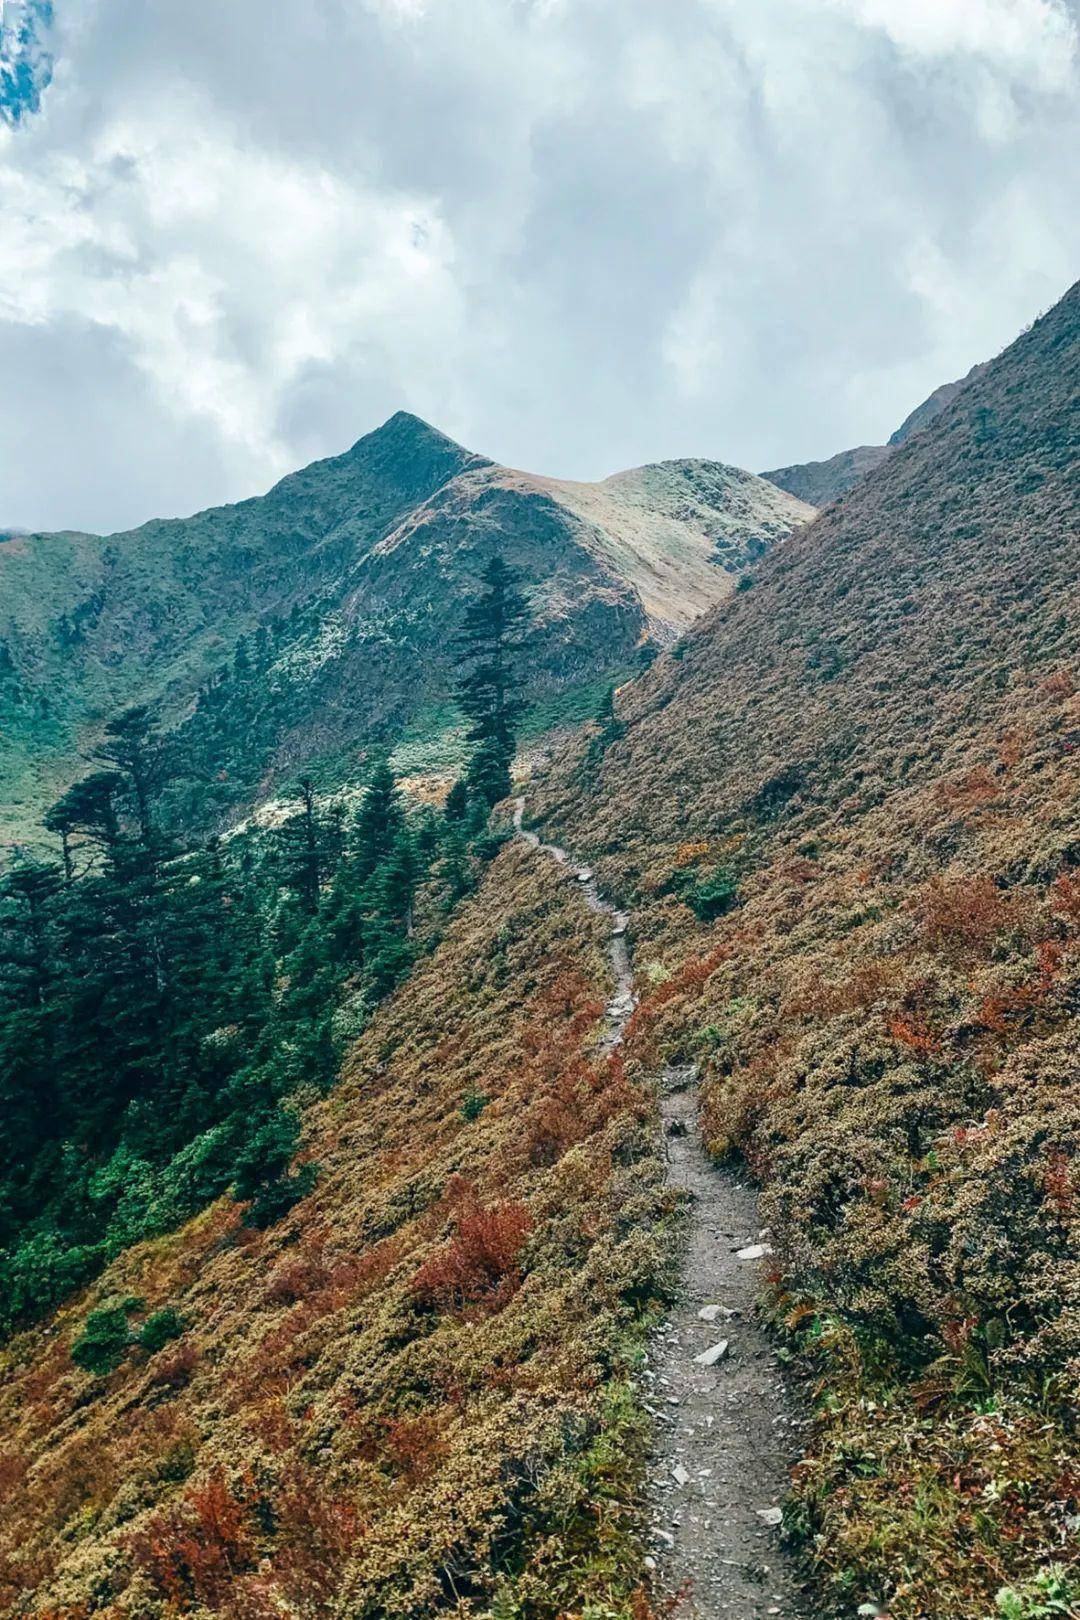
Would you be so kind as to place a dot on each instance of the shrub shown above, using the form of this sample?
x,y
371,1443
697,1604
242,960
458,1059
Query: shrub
x,y
262,1171
710,896
1051,1593
105,1339
478,1267
160,1329
473,1105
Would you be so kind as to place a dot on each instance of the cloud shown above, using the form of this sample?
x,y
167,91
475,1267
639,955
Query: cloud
x,y
576,234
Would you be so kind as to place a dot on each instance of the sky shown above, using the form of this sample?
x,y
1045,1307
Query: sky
x,y
576,235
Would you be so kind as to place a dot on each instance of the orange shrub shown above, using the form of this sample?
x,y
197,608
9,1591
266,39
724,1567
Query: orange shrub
x,y
196,1549
478,1268
1065,896
909,1030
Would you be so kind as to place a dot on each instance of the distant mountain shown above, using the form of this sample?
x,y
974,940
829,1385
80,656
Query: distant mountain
x,y
293,628
820,482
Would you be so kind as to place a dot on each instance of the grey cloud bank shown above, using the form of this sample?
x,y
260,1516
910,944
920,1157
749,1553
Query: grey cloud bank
x,y
577,234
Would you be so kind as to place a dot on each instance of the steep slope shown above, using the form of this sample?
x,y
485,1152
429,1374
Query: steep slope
x,y
347,581
410,1396
845,808
821,482
846,812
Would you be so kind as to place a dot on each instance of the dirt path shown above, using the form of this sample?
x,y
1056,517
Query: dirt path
x,y
619,1008
727,1432
726,1428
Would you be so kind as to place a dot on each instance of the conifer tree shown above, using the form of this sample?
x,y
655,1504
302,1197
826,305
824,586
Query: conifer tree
x,y
489,684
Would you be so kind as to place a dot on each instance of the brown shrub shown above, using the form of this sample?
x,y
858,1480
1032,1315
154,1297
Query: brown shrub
x,y
964,915
295,1279
173,1369
415,1446
196,1549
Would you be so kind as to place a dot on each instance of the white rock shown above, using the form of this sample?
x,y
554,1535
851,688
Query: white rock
x,y
769,1515
709,1313
754,1251
709,1358
679,1475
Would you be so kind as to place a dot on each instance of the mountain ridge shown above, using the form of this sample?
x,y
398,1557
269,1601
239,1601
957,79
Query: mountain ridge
x,y
341,569
821,482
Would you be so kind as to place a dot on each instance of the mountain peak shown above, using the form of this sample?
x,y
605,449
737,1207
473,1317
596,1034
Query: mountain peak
x,y
404,431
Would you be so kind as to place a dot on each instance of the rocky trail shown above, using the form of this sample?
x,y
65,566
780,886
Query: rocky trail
x,y
726,1423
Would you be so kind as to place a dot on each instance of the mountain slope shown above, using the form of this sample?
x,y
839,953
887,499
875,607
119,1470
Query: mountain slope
x,y
821,482
347,581
845,807
847,816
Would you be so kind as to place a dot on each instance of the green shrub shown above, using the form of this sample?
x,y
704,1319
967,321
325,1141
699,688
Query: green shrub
x,y
105,1339
473,1106
161,1328
1050,1594
712,896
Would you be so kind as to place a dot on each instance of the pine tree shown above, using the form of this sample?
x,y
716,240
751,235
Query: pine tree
x,y
489,684
301,844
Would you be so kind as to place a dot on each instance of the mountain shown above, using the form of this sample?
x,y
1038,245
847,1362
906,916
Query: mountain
x,y
841,812
846,819
821,482
345,585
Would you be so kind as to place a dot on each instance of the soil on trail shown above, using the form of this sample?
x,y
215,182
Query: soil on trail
x,y
727,1427
619,1008
726,1424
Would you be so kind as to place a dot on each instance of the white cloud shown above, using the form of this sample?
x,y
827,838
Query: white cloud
x,y
577,236
1034,38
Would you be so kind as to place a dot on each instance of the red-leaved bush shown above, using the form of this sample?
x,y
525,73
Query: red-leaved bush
x,y
478,1268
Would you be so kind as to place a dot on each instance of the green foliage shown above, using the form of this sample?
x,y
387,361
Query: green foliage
x,y
160,1329
708,897
105,1339
160,1001
489,684
1052,1592
473,1105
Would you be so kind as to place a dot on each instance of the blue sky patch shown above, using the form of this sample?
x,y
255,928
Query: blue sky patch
x,y
25,56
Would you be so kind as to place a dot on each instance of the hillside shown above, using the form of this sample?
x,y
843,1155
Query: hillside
x,y
292,629
821,482
846,814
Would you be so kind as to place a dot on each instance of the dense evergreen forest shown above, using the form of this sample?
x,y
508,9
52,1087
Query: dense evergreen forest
x,y
167,1002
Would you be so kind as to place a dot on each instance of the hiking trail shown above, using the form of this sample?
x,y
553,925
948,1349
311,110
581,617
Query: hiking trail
x,y
726,1424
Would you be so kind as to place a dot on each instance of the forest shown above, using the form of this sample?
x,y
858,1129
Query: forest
x,y
167,1001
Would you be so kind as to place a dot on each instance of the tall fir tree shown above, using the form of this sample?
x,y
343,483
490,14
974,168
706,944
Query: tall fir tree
x,y
489,683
